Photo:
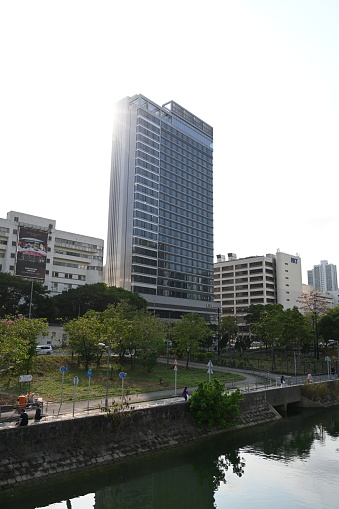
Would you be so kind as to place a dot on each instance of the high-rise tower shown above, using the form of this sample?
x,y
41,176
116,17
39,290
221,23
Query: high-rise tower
x,y
160,226
323,277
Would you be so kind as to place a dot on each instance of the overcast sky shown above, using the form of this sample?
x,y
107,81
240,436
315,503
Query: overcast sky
x,y
263,73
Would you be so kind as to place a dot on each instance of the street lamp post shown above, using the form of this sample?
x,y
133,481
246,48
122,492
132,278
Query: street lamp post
x,y
218,332
107,370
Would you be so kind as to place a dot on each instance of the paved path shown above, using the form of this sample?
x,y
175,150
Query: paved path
x,y
52,411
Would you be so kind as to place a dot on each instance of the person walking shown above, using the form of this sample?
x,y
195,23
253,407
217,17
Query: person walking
x,y
282,381
185,394
38,415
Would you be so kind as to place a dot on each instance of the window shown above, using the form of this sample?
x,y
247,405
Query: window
x,y
16,219
12,255
15,231
13,243
55,274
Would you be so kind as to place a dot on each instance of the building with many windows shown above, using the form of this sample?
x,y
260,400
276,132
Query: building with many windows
x,y
31,247
160,227
323,277
269,279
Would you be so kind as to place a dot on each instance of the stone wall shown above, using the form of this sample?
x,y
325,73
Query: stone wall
x,y
55,448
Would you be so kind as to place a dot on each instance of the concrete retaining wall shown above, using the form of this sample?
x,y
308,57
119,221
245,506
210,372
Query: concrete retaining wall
x,y
55,448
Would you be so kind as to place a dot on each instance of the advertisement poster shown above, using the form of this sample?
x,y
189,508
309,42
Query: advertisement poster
x,y
31,253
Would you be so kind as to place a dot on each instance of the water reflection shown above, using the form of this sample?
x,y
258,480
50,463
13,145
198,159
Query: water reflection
x,y
211,473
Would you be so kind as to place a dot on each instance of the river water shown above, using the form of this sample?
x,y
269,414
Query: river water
x,y
293,463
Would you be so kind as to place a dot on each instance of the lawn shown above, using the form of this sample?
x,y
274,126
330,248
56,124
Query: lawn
x,y
47,379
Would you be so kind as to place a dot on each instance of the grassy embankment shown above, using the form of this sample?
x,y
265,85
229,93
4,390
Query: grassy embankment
x,y
47,379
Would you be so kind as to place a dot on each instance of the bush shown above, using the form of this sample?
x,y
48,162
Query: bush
x,y
211,404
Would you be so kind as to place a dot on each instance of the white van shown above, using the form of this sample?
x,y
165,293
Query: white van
x,y
44,349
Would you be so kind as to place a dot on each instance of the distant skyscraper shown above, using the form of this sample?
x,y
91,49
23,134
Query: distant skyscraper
x,y
160,226
323,277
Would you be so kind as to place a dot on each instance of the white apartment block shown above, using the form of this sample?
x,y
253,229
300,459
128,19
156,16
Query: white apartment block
x,y
323,277
268,279
32,248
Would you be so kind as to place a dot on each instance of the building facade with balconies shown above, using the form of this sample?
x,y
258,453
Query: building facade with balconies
x,y
269,279
31,247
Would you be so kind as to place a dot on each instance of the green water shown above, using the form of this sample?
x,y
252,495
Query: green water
x,y
290,464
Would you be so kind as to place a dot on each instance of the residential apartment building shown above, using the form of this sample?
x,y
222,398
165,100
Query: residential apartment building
x,y
160,227
31,247
323,277
268,279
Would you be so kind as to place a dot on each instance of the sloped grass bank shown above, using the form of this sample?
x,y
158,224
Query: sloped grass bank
x,y
47,379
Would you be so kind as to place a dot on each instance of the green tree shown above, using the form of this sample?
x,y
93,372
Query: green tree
x,y
148,332
96,297
253,315
296,332
228,329
314,305
189,333
211,404
18,342
84,334
15,296
328,325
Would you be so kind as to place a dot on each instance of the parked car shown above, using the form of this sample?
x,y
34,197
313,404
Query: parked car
x,y
44,349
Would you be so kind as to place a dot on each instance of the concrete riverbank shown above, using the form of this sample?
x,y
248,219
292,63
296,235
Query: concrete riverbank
x,y
56,448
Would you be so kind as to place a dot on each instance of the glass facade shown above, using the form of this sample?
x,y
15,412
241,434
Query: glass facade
x,y
172,235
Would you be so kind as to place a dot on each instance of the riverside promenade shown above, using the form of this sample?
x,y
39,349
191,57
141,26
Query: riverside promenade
x,y
68,410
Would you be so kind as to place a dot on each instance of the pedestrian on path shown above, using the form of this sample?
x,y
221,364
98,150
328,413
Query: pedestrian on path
x,y
185,394
38,415
309,378
282,381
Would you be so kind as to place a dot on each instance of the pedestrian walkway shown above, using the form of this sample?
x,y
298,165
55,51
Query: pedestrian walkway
x,y
68,410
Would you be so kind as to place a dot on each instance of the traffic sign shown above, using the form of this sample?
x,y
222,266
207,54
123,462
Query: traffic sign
x,y
64,368
209,364
76,380
122,374
89,372
25,378
175,368
175,362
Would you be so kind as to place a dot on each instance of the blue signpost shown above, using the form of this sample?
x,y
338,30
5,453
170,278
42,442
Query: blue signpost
x,y
122,375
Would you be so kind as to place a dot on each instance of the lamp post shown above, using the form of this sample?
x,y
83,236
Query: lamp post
x,y
218,332
107,370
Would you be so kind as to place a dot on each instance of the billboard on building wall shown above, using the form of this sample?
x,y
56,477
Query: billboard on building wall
x,y
31,253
